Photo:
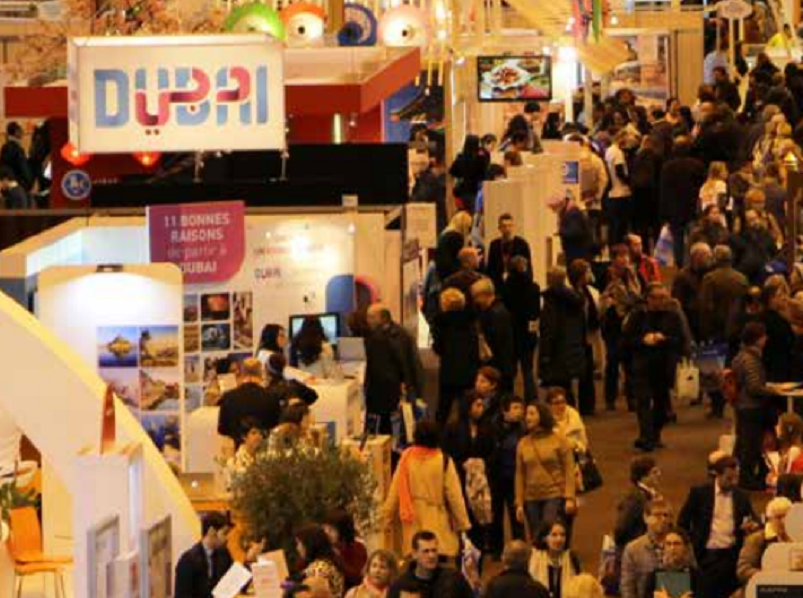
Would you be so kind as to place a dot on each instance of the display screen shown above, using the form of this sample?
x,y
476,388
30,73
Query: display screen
x,y
330,323
514,78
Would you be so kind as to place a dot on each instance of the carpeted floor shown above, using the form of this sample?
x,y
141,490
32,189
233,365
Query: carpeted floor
x,y
682,463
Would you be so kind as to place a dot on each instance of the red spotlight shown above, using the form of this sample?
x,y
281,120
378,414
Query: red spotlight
x,y
147,159
71,154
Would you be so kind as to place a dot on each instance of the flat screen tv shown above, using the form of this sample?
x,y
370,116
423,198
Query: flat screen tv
x,y
514,78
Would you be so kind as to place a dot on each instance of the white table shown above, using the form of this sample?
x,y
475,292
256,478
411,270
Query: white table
x,y
339,404
790,393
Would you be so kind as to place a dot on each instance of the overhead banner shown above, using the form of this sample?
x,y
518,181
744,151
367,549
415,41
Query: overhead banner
x,y
206,240
176,93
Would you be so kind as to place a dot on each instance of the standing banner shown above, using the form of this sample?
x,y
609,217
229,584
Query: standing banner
x,y
178,93
206,240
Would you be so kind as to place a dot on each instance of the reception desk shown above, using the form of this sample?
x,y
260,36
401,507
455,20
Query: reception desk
x,y
339,407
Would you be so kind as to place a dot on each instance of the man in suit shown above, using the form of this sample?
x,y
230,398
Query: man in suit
x,y
507,246
202,566
249,399
717,517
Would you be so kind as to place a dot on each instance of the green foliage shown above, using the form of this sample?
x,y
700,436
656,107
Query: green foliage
x,y
12,498
283,490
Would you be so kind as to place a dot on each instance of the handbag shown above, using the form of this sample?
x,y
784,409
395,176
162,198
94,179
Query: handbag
x,y
590,476
687,380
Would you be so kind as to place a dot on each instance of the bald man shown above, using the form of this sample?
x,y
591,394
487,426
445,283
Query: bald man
x,y
393,368
515,581
249,400
467,275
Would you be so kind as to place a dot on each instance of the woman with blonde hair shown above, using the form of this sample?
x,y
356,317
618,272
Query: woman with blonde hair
x,y
381,570
715,188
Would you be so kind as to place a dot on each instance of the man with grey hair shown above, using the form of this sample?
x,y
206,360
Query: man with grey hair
x,y
496,340
687,283
721,294
392,363
515,581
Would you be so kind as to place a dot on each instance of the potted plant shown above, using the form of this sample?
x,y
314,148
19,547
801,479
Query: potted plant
x,y
284,489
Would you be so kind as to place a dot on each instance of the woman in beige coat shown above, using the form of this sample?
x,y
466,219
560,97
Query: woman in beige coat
x,y
425,493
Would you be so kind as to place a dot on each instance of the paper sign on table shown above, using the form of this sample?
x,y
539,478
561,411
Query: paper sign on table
x,y
266,580
230,584
277,558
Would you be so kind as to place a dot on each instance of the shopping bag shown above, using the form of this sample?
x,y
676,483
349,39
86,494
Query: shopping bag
x,y
609,566
665,247
590,476
687,381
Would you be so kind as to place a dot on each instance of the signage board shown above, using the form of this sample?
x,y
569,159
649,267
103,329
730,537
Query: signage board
x,y
176,93
206,240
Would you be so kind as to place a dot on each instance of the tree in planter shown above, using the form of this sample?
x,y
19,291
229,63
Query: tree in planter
x,y
282,490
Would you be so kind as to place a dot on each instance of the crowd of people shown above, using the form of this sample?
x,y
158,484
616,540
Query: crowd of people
x,y
676,250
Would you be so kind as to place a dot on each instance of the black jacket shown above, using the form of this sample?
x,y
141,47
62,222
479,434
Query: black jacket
x,y
697,515
681,179
778,350
498,331
446,583
562,355
511,583
753,249
460,446
12,155
247,400
454,339
391,360
630,522
283,390
656,360
576,236
193,579
495,264
522,298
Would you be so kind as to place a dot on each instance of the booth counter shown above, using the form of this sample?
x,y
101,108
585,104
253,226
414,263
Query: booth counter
x,y
339,407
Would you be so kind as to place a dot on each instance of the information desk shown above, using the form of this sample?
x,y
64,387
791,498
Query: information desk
x,y
339,407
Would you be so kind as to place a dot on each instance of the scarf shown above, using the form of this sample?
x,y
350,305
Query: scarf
x,y
539,568
415,453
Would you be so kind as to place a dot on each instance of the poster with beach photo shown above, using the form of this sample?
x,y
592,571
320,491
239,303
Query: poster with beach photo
x,y
118,347
158,346
159,389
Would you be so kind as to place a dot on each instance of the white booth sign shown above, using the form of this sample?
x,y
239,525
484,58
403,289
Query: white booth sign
x,y
176,93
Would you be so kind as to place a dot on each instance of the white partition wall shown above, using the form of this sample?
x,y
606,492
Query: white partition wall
x,y
56,398
525,195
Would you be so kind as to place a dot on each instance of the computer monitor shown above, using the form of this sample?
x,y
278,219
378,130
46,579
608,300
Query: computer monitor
x,y
330,322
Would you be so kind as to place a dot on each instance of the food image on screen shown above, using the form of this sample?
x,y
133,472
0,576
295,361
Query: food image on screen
x,y
514,78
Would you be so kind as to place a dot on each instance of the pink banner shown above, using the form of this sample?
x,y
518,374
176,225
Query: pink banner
x,y
206,240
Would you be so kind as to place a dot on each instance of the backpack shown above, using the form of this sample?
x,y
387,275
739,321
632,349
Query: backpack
x,y
729,386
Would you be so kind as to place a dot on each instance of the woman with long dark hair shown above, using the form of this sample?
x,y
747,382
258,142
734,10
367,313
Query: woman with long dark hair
x,y
320,559
469,170
272,340
311,351
545,476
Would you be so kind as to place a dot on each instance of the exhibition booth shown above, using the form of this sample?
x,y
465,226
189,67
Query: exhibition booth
x,y
166,338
